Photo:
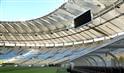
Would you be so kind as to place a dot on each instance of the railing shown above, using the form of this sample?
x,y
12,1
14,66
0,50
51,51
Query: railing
x,y
95,69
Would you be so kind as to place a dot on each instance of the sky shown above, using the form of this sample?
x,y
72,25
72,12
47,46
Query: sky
x,y
21,10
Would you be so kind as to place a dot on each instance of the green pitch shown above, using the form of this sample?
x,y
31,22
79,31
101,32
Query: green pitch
x,y
29,70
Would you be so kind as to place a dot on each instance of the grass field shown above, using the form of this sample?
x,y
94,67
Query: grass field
x,y
30,70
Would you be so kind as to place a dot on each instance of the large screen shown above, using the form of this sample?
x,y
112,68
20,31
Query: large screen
x,y
83,19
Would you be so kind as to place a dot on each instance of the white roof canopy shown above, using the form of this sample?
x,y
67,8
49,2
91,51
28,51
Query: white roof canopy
x,y
50,30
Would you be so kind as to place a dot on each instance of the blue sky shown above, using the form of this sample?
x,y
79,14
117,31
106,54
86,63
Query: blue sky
x,y
16,10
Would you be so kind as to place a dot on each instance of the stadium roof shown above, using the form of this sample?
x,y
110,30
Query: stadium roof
x,y
51,30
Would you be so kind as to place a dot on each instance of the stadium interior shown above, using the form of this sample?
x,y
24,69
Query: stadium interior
x,y
81,36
